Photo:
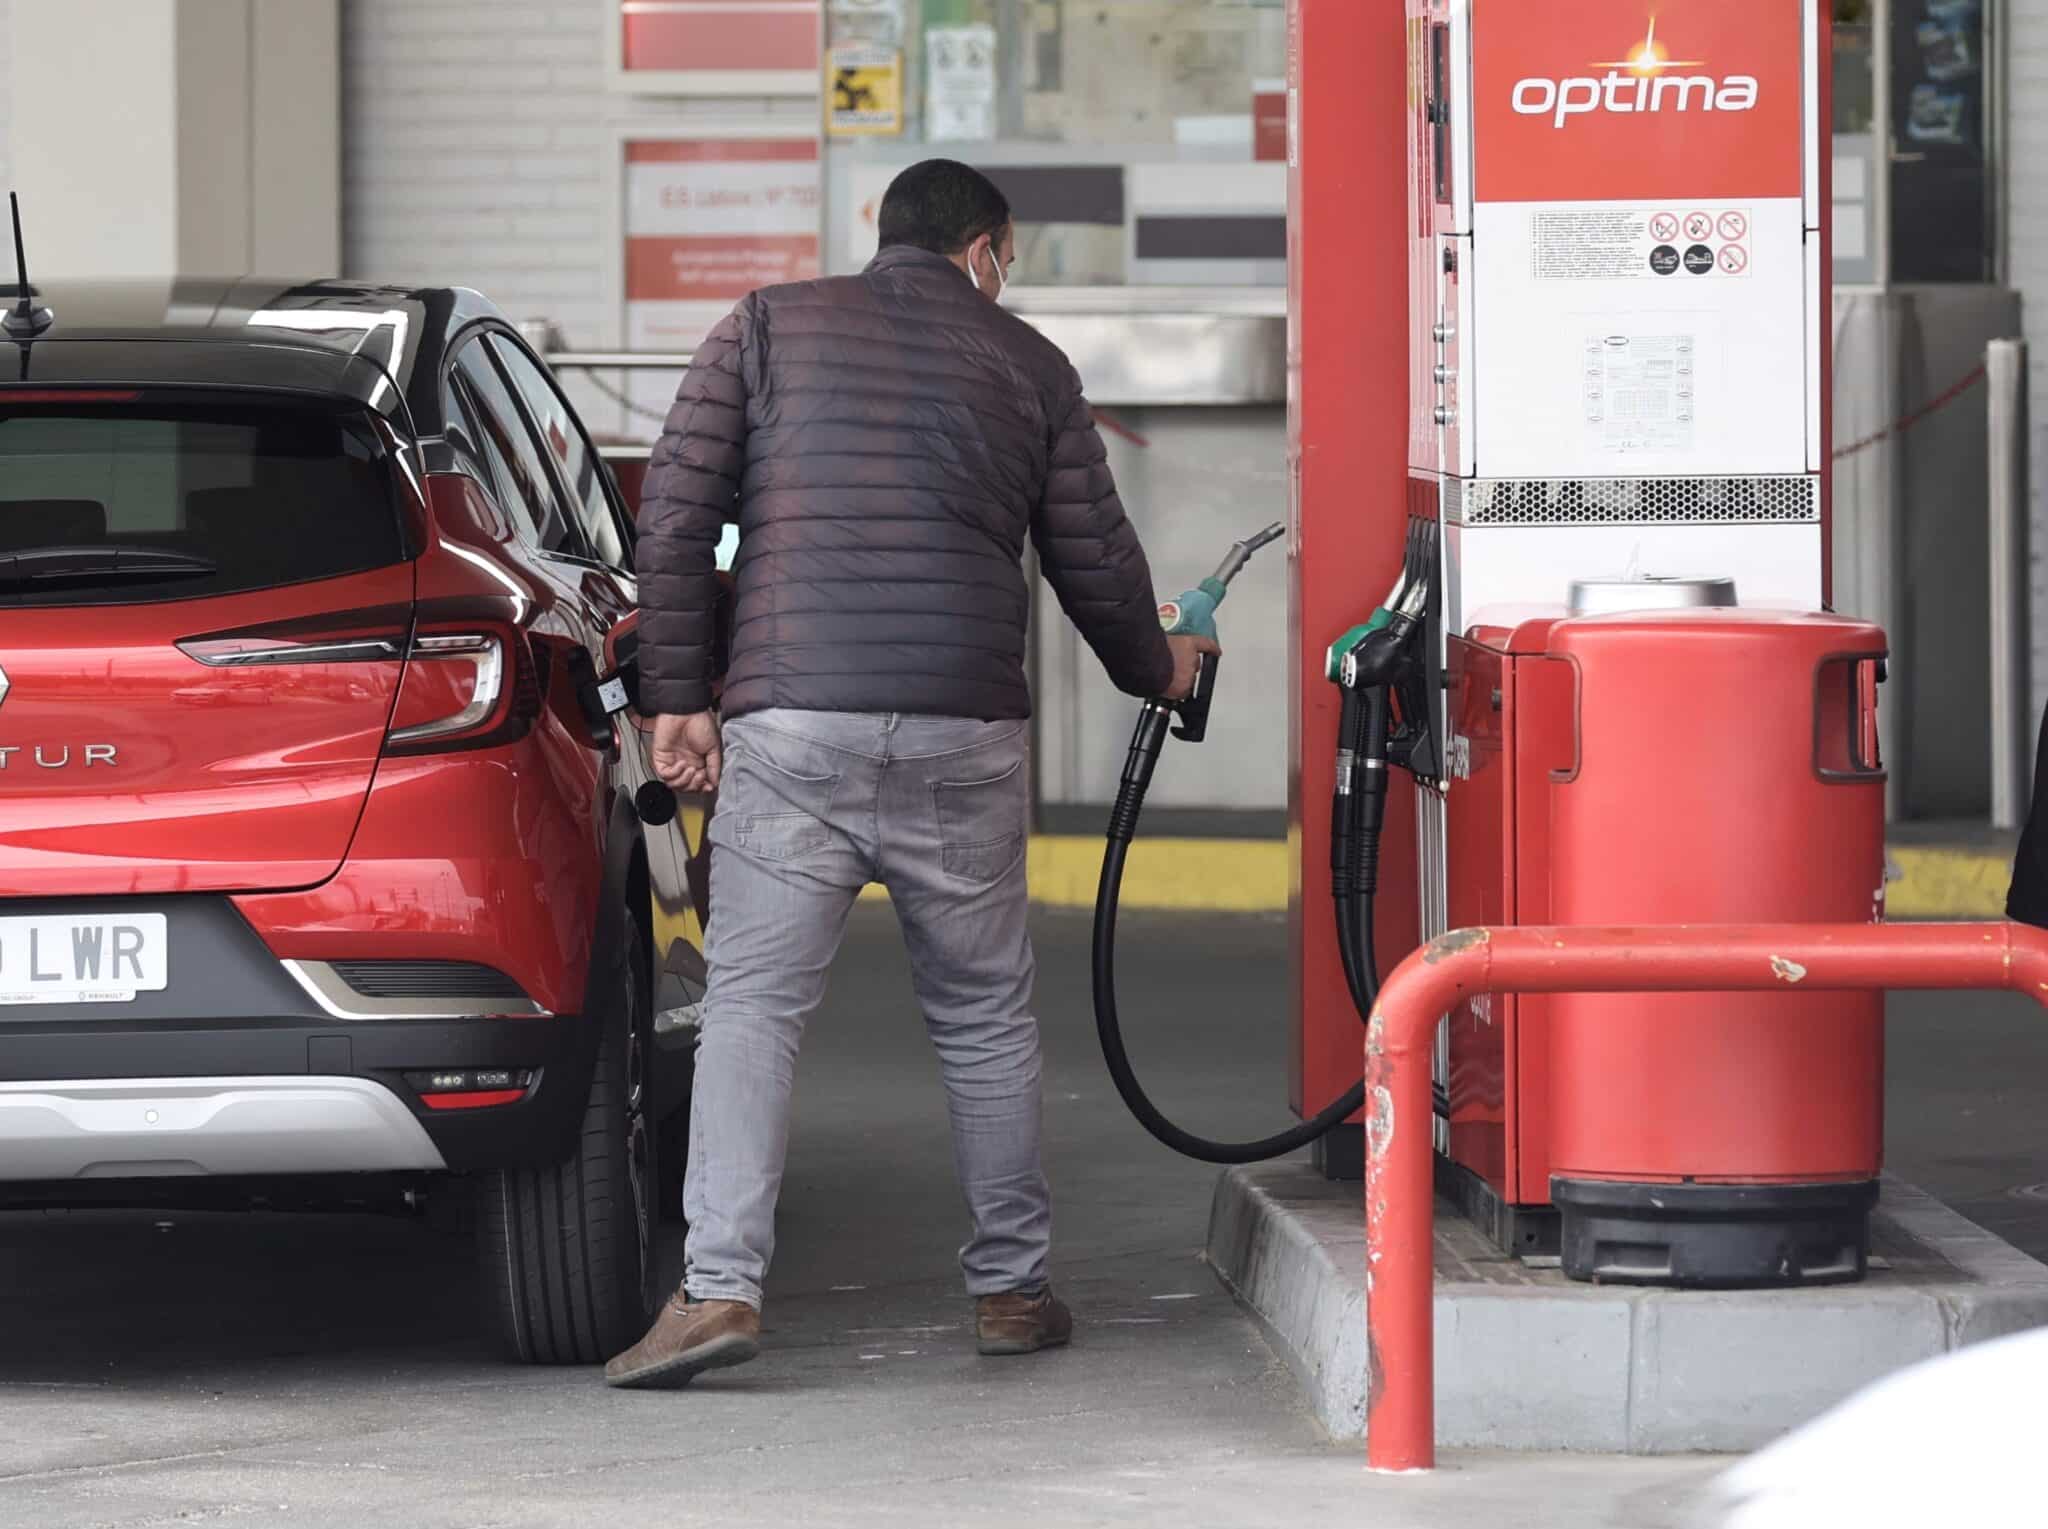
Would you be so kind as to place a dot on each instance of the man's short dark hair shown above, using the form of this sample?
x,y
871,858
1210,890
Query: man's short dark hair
x,y
943,206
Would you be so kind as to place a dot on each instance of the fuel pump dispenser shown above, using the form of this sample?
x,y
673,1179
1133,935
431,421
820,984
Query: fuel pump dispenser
x,y
1608,665
1619,306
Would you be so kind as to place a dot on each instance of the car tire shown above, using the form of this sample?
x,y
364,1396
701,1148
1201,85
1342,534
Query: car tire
x,y
568,1250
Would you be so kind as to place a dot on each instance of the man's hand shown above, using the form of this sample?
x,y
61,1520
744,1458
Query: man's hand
x,y
686,751
1187,666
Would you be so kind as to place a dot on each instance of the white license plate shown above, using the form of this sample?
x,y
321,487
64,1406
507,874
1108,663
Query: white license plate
x,y
83,960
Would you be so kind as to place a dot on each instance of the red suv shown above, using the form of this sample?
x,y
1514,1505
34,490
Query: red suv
x,y
321,875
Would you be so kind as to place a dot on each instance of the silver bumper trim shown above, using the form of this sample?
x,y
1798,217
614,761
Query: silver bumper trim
x,y
127,1128
324,986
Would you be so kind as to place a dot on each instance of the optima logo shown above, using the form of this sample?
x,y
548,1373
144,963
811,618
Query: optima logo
x,y
1639,83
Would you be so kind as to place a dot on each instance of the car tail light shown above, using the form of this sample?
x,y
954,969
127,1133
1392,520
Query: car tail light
x,y
12,396
340,637
249,652
452,685
463,690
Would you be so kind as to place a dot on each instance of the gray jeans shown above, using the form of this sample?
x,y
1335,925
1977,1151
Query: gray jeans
x,y
812,807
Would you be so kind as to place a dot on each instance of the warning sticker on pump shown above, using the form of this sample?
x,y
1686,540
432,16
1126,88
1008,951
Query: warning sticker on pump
x,y
1627,243
1639,393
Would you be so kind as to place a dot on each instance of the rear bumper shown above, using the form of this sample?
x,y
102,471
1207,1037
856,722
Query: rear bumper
x,y
292,1073
207,1127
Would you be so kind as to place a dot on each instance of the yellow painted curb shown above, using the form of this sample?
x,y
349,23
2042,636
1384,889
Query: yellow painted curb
x,y
1938,883
1252,876
1210,875
1184,875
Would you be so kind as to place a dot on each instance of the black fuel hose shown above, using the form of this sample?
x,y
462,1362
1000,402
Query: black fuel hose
x,y
1357,812
1354,865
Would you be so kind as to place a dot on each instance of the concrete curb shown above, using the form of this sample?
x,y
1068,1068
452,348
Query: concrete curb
x,y
1293,1266
1528,1360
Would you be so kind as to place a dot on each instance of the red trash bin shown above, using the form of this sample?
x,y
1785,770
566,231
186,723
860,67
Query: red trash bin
x,y
1727,771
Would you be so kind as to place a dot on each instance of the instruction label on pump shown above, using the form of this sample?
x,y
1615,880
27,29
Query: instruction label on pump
x,y
1648,244
1640,393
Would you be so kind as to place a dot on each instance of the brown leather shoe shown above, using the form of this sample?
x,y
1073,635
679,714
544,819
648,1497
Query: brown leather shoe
x,y
1021,1322
687,1339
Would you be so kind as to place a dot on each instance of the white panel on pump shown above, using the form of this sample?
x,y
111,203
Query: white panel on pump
x,y
1636,369
1637,338
1496,569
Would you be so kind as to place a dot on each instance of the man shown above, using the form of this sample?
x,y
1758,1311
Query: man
x,y
888,442
2026,899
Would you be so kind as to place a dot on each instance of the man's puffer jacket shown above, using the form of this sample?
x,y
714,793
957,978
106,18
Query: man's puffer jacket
x,y
887,442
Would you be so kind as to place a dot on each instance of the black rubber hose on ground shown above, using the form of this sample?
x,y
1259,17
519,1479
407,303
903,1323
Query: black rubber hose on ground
x,y
1354,906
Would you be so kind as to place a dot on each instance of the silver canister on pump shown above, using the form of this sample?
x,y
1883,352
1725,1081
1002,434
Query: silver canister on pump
x,y
1611,597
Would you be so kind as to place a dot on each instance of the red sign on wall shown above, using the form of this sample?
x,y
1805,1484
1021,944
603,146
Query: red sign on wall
x,y
720,36
1629,100
709,220
1269,119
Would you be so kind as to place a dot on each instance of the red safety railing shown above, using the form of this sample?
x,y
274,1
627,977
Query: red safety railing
x,y
1401,1379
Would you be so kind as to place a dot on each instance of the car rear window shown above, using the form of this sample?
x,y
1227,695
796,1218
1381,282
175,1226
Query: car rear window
x,y
212,495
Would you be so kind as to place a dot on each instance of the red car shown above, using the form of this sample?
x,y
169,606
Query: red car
x,y
321,876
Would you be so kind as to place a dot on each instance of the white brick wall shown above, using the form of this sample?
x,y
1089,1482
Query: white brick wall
x,y
2026,148
475,135
6,89
471,135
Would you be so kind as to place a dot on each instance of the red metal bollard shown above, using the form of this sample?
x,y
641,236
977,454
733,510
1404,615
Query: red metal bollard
x,y
1400,1284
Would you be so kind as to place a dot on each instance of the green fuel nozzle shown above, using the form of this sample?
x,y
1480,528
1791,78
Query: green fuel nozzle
x,y
1363,656
1193,613
1344,647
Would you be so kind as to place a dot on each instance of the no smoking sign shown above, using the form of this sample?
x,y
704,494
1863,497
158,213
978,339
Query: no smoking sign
x,y
1734,259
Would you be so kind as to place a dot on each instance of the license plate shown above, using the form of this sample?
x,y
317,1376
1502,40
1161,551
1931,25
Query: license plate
x,y
83,959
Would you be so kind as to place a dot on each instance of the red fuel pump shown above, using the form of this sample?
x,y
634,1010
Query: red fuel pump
x,y
1618,302
1617,309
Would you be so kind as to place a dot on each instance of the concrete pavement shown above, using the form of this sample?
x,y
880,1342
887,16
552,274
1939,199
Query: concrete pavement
x,y
326,1371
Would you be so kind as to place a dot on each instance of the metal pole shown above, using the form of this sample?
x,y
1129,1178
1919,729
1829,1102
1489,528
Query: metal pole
x,y
2005,366
620,360
1400,1287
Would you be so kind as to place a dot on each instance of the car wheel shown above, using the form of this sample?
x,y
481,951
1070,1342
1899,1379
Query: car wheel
x,y
568,1250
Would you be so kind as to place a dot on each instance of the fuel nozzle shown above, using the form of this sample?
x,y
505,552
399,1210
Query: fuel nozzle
x,y
1194,611
1360,658
1194,614
1241,553
1378,664
1377,652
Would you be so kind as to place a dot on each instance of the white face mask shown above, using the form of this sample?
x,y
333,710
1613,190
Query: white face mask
x,y
1002,277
